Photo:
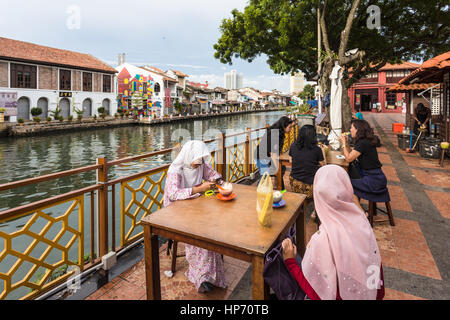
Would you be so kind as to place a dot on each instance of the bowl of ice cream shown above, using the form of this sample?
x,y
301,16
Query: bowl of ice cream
x,y
226,189
277,196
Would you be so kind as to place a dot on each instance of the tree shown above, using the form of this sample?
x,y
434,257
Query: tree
x,y
286,32
307,93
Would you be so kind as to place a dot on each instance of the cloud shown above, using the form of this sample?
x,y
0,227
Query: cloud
x,y
186,66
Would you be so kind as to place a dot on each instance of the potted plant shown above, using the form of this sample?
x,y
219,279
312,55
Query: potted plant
x,y
36,120
2,114
95,117
36,112
20,121
116,115
60,118
70,118
56,113
101,112
49,119
79,114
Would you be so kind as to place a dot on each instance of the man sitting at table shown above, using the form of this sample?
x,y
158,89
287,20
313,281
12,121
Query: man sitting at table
x,y
184,181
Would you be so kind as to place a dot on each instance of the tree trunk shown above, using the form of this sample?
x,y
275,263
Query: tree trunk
x,y
346,109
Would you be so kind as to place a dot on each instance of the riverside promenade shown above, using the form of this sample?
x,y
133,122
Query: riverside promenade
x,y
415,252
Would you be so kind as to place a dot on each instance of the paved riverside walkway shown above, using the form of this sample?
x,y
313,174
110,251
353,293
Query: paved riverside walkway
x,y
415,253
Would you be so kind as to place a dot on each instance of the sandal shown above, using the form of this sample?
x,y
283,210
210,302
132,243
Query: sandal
x,y
205,287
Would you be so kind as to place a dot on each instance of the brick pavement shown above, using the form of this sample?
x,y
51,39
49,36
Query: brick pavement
x,y
415,252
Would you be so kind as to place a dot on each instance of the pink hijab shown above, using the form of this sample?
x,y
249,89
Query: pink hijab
x,y
343,253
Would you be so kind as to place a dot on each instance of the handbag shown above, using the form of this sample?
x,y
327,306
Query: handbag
x,y
354,171
277,275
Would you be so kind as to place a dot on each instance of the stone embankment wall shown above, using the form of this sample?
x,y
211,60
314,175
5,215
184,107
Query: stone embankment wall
x,y
34,129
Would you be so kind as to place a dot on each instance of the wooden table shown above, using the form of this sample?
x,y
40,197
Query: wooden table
x,y
331,158
230,228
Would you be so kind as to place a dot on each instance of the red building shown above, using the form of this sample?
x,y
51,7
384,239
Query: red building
x,y
370,91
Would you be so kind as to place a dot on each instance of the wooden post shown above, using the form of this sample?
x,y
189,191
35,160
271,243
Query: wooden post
x,y
222,156
247,152
102,205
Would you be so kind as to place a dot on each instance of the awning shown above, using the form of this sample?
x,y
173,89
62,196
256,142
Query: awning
x,y
409,87
202,100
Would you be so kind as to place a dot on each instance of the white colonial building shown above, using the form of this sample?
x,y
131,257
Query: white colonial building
x,y
39,76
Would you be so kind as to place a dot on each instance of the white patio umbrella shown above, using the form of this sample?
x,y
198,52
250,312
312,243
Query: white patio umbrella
x,y
335,107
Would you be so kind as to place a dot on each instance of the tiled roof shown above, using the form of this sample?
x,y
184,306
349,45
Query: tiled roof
x,y
401,66
155,69
29,52
180,74
438,63
409,87
160,72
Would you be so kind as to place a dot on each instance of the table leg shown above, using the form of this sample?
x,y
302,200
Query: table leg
x,y
153,282
300,227
261,290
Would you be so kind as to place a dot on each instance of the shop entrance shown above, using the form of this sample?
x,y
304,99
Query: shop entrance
x,y
367,98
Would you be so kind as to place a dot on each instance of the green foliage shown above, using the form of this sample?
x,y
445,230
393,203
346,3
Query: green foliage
x,y
178,107
55,113
307,93
36,111
36,119
101,110
20,120
285,32
49,119
2,110
70,118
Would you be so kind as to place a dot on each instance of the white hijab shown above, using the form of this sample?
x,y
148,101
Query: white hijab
x,y
192,151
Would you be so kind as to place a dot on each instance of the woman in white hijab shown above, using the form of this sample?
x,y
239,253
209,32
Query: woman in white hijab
x,y
184,181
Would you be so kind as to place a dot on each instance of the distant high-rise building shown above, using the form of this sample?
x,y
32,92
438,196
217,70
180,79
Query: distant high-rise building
x,y
297,82
233,80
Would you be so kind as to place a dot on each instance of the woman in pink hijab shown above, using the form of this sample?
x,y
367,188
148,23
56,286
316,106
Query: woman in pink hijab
x,y
342,260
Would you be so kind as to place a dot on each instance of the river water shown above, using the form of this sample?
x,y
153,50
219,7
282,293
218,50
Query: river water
x,y
22,158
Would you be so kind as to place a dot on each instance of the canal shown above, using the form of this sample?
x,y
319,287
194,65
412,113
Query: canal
x,y
22,158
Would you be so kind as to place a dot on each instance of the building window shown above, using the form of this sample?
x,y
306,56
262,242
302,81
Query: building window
x,y
65,80
391,99
87,81
23,76
157,89
106,83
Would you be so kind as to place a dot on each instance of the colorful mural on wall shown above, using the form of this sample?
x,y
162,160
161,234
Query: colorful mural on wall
x,y
135,94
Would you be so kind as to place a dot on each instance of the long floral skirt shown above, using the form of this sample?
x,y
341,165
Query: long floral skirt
x,y
204,265
300,187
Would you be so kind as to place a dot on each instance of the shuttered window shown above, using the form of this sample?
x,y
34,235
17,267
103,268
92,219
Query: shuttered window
x,y
87,81
106,83
23,76
65,80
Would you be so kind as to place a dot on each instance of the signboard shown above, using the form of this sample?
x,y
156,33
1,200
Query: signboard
x,y
8,100
65,94
358,99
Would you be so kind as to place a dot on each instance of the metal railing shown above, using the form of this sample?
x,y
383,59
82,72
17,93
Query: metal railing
x,y
74,230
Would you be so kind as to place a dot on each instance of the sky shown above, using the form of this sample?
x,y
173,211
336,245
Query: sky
x,y
168,34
